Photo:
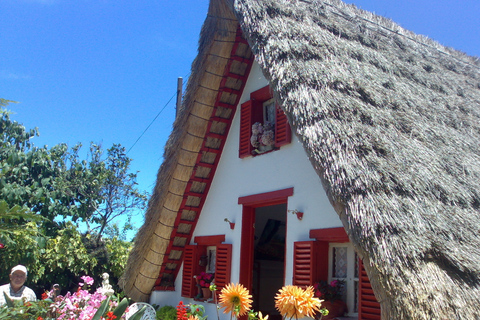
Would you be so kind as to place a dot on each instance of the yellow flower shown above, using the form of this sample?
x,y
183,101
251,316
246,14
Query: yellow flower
x,y
235,299
293,301
192,317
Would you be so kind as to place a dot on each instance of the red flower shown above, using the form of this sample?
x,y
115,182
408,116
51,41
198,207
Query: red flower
x,y
39,318
111,316
27,304
2,246
44,296
181,311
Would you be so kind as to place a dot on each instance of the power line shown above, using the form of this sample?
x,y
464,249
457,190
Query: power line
x,y
158,114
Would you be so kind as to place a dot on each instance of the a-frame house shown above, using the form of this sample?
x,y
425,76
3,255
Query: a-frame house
x,y
368,170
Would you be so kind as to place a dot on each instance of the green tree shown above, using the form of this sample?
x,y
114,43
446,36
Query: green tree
x,y
55,183
117,194
35,178
13,220
48,192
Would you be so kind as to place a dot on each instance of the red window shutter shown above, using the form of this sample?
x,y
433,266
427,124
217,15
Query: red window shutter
x,y
283,133
368,306
310,262
245,147
307,267
189,263
223,265
303,263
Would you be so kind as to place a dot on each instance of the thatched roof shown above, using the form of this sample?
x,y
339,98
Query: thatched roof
x,y
391,123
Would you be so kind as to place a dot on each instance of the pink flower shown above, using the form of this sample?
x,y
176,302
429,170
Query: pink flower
x,y
88,280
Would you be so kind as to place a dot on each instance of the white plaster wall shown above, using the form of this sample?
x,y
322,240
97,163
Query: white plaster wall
x,y
235,177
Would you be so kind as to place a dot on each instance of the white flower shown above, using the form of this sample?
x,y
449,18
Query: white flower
x,y
268,138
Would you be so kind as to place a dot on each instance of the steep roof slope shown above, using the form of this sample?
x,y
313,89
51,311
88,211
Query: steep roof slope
x,y
391,122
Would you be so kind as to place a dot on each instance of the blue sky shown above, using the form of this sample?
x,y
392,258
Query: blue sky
x,y
102,70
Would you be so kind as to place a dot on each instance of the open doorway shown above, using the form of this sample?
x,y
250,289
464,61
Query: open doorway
x,y
262,253
268,257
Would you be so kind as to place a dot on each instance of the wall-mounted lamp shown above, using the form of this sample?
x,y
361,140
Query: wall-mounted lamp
x,y
232,224
298,213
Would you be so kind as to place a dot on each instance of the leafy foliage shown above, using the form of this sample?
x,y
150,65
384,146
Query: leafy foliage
x,y
23,246
66,258
167,313
48,193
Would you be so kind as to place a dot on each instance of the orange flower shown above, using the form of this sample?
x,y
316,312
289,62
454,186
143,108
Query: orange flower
x,y
293,301
235,299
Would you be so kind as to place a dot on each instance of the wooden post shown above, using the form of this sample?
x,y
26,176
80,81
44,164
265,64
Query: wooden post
x,y
179,95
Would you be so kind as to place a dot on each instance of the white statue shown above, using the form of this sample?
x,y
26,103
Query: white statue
x,y
106,287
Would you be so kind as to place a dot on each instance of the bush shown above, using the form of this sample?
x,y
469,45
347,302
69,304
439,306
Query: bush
x,y
167,313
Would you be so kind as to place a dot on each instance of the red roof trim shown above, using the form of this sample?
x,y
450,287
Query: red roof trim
x,y
209,133
209,240
262,94
267,198
330,234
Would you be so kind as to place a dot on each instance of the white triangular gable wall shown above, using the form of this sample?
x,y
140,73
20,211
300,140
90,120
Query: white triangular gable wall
x,y
286,168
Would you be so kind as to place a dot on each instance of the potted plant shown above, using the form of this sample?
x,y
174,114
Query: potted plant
x,y
263,137
204,280
331,294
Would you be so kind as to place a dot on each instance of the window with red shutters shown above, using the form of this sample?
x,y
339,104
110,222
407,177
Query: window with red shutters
x,y
259,109
311,264
191,266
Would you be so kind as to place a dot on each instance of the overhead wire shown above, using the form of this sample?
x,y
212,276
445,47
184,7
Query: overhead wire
x,y
158,114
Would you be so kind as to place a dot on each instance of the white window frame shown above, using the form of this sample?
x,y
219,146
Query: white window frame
x,y
269,104
211,258
350,279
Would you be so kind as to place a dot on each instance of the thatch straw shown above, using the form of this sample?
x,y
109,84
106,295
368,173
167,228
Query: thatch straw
x,y
391,122
153,238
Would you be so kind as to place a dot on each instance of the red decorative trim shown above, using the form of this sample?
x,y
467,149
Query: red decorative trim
x,y
267,198
330,234
209,133
209,240
248,220
246,248
262,94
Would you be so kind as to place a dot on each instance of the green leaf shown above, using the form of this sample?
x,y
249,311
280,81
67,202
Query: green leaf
x,y
101,311
121,307
138,315
8,300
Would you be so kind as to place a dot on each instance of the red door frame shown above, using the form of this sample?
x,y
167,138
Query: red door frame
x,y
250,203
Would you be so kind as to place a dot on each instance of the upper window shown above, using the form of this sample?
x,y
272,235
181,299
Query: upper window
x,y
263,124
